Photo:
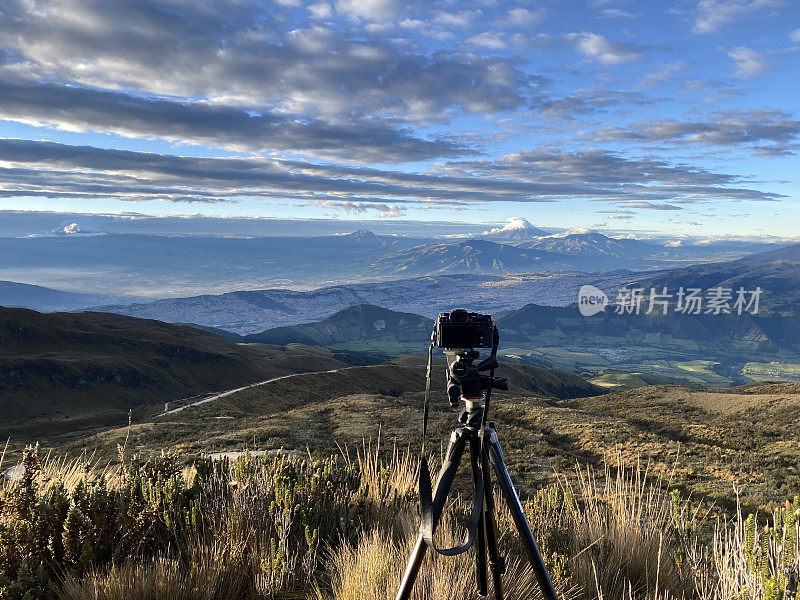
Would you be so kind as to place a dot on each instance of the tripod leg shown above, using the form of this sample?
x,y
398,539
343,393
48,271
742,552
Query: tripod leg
x,y
455,450
496,561
480,547
518,514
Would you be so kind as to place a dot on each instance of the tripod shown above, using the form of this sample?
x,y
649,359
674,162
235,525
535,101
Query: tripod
x,y
481,455
467,384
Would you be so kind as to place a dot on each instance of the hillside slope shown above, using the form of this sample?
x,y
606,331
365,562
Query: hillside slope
x,y
703,440
776,272
72,369
745,332
358,322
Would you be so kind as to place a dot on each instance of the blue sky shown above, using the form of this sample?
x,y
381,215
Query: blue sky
x,y
670,117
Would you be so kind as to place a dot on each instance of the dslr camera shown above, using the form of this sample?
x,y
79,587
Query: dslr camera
x,y
459,332
462,329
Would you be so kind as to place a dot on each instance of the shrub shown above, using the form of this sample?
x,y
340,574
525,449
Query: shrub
x,y
341,528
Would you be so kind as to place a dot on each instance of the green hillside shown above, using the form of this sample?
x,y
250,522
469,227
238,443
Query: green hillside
x,y
362,328
62,372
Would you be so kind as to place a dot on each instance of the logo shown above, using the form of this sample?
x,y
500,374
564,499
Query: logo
x,y
591,300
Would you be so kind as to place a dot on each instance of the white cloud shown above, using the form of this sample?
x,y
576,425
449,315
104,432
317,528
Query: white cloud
x,y
574,231
456,19
369,10
713,14
652,206
319,11
385,211
748,62
315,40
596,47
488,39
666,72
521,17
674,243
88,227
795,36
615,13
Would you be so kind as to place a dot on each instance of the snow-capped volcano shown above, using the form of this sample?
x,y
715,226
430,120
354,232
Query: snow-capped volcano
x,y
589,242
516,229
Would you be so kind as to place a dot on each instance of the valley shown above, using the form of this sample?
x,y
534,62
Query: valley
x,y
343,364
157,267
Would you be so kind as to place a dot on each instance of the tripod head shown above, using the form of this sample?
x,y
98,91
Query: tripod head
x,y
467,380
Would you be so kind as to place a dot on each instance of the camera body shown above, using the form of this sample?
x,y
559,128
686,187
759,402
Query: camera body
x,y
459,332
462,329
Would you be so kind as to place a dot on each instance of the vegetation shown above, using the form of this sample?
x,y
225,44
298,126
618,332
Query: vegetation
x,y
67,372
332,527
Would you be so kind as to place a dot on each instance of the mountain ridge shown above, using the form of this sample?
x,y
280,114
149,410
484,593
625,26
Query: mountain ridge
x,y
76,368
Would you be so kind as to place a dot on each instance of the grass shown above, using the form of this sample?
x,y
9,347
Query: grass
x,y
772,370
340,527
709,439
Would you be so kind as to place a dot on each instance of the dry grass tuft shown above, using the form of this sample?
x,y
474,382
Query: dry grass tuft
x,y
338,528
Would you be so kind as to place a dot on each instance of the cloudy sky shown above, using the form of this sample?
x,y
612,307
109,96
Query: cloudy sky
x,y
678,117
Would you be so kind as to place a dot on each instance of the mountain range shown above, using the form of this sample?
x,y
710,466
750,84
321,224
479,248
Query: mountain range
x,y
254,311
593,243
159,266
249,312
705,348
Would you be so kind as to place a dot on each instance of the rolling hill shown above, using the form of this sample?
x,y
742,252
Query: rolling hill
x,y
36,297
703,440
777,272
65,371
379,331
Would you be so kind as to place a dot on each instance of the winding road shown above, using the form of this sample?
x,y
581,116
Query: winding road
x,y
246,387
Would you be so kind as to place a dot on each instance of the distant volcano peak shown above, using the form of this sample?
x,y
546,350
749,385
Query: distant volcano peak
x,y
363,235
516,229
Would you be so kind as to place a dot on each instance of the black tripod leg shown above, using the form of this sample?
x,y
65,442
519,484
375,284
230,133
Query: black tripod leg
x,y
480,547
518,514
455,450
496,561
